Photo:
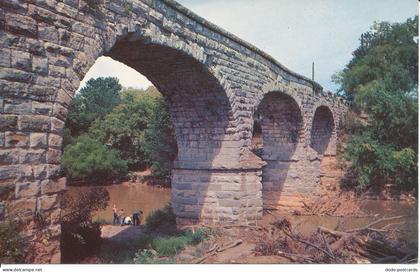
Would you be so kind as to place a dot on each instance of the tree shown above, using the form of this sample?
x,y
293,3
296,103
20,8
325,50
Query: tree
x,y
382,80
93,102
140,127
80,237
387,54
89,159
159,140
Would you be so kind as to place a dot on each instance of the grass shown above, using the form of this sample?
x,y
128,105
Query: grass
x,y
170,246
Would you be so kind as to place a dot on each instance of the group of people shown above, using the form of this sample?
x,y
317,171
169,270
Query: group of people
x,y
121,218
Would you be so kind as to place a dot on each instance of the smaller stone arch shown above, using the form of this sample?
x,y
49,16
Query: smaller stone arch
x,y
322,130
278,133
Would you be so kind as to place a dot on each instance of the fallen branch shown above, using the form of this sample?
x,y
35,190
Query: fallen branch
x,y
233,244
295,257
375,223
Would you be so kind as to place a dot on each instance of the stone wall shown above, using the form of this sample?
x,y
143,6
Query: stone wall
x,y
212,81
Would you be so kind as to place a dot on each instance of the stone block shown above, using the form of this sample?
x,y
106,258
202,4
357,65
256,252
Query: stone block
x,y
21,60
32,156
34,123
7,190
53,186
38,140
1,139
55,140
48,202
60,111
54,156
22,25
9,156
8,122
27,189
12,74
48,33
16,139
5,57
14,172
40,65
17,106
57,126
23,207
43,108
40,171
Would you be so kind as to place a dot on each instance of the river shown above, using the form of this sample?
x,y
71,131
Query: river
x,y
133,196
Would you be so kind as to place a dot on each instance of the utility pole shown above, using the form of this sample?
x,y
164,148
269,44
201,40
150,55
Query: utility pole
x,y
313,70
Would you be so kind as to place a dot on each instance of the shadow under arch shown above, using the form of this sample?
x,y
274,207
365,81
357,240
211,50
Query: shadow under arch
x,y
322,130
281,122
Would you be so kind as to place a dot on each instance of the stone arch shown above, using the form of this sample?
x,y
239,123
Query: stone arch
x,y
281,122
322,130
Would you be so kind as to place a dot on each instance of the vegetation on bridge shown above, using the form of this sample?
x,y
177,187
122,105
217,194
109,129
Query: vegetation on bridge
x,y
382,80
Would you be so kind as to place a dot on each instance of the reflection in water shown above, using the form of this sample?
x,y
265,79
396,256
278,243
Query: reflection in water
x,y
131,197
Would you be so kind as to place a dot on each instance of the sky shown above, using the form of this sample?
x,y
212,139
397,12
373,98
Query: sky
x,y
294,32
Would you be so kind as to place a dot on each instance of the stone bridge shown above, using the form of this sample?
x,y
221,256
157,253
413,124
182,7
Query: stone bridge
x,y
220,89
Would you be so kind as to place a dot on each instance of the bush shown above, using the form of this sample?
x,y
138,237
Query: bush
x,y
147,256
79,240
162,221
170,246
80,237
382,80
194,238
12,244
89,159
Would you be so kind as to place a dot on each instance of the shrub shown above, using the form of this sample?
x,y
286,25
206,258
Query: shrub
x,y
162,221
170,246
12,244
80,237
89,159
147,256
79,240
196,237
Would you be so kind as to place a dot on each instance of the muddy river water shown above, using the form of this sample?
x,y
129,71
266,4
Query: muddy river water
x,y
133,196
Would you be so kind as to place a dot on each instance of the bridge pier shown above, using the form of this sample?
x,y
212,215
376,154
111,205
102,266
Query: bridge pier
x,y
217,196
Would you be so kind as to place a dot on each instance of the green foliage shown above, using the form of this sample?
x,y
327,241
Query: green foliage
x,y
388,53
147,256
141,129
80,237
196,237
159,141
89,159
382,80
12,244
136,124
162,221
93,102
170,246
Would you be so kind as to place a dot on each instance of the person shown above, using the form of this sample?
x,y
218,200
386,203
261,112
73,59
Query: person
x,y
128,221
137,217
116,219
122,216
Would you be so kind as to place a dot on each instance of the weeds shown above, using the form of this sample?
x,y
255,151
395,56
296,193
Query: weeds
x,y
162,221
12,244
